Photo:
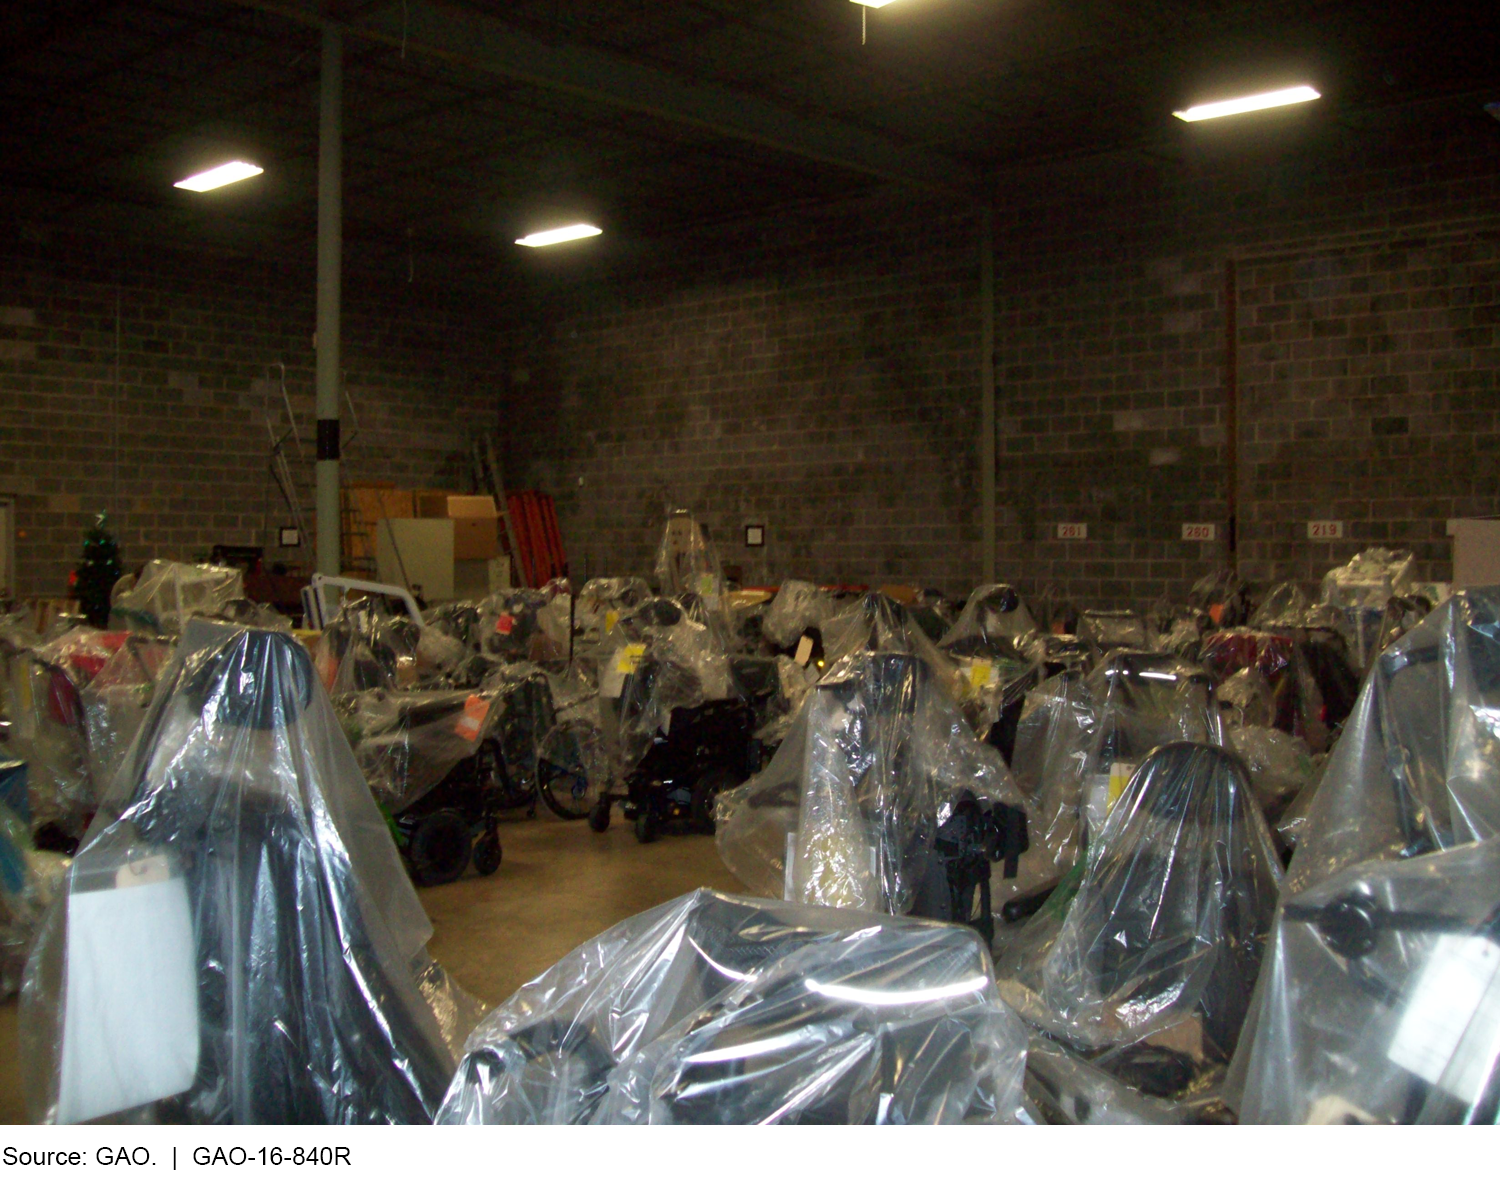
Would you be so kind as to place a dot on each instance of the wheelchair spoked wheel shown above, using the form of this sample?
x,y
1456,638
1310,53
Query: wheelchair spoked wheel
x,y
572,767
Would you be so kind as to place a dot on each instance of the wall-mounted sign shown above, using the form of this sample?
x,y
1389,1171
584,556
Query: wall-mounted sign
x,y
755,536
290,538
1072,532
1325,529
1200,532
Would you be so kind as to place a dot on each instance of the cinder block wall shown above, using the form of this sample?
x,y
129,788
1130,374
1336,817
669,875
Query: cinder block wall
x,y
819,372
136,381
1365,264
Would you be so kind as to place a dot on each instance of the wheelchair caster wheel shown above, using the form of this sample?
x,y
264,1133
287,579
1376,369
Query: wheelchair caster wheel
x,y
487,854
599,817
645,828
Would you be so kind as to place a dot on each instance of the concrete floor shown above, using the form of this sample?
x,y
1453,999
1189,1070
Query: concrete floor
x,y
558,885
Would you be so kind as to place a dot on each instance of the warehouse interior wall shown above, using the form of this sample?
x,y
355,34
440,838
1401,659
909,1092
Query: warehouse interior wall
x,y
813,373
136,379
1366,271
817,372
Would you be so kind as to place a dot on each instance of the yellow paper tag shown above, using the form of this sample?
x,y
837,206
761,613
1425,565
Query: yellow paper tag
x,y
981,675
1119,776
610,619
628,658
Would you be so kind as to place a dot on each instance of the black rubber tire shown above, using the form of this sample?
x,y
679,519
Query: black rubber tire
x,y
440,849
599,817
645,827
564,806
487,853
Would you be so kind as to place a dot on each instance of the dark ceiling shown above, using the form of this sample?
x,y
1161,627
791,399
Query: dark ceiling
x,y
103,105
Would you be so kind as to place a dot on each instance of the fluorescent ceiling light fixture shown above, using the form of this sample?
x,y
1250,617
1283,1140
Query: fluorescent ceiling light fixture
x,y
1229,107
559,235
219,175
873,3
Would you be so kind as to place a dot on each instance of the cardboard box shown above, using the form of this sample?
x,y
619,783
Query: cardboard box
x,y
476,535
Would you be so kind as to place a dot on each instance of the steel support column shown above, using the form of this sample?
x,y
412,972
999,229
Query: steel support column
x,y
330,297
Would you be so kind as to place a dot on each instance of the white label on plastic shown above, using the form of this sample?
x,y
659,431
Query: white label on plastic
x,y
1072,532
1325,529
789,882
130,1013
1450,1033
1200,532
1096,803
621,665
883,1108
804,650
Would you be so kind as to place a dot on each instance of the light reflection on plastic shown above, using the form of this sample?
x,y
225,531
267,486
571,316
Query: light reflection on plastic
x,y
896,997
733,975
760,1047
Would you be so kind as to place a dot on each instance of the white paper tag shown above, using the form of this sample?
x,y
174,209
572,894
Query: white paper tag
x,y
1450,1033
788,883
130,1015
804,651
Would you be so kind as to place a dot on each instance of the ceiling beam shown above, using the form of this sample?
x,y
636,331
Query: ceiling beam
x,y
481,42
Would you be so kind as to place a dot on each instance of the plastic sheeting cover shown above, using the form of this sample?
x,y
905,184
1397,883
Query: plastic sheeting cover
x,y
657,658
719,1009
797,607
1149,964
1417,768
237,873
168,593
875,762
1380,1000
1080,738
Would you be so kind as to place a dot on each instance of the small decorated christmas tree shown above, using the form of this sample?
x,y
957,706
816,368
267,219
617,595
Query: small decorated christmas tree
x,y
97,572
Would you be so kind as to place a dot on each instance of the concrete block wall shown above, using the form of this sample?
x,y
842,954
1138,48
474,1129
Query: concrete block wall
x,y
819,372
1365,263
817,375
136,381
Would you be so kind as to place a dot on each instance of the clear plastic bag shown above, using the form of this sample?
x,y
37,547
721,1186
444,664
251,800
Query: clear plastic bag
x,y
1280,765
1417,768
1145,957
657,658
853,801
797,608
116,700
1295,700
43,685
718,1009
1366,593
992,644
1380,999
168,593
1080,739
29,881
1108,630
688,569
238,941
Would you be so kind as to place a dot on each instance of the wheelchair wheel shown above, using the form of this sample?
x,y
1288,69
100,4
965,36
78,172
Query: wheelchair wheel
x,y
440,848
645,827
599,817
487,853
572,769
